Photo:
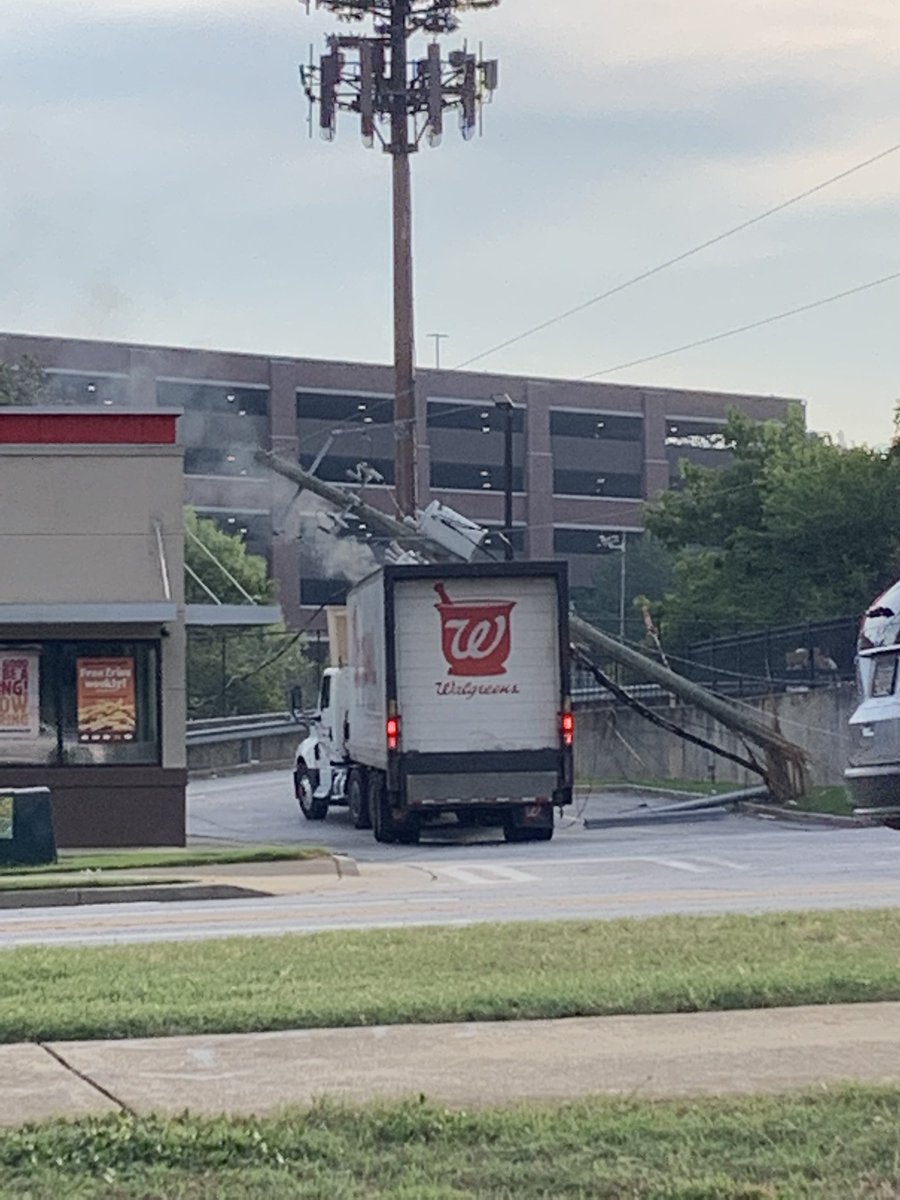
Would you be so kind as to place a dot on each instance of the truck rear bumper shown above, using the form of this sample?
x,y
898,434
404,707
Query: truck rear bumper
x,y
508,787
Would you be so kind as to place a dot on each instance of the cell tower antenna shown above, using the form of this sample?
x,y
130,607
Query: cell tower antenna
x,y
399,103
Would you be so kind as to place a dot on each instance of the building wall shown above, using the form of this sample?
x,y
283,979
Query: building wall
x,y
585,457
81,525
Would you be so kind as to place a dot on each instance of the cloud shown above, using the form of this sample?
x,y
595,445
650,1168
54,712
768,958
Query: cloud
x,y
160,185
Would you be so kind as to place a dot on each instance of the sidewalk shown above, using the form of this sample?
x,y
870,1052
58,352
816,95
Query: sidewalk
x,y
461,1064
223,881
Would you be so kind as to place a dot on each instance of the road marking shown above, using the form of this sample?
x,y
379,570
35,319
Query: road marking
x,y
478,874
674,864
721,862
695,865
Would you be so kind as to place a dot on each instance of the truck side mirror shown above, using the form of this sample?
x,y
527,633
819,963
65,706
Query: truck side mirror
x,y
296,702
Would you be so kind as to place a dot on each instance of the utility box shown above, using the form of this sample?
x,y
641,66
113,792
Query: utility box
x,y
27,837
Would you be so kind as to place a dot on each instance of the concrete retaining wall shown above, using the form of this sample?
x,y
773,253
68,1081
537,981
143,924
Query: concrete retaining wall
x,y
617,743
264,752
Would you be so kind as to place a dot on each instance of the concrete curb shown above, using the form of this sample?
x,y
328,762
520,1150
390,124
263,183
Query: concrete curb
x,y
162,892
827,820
154,893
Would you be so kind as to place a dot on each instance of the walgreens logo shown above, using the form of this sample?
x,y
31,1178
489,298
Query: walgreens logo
x,y
475,634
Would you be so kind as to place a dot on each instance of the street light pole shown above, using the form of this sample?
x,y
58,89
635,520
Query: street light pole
x,y
622,551
505,405
437,339
617,543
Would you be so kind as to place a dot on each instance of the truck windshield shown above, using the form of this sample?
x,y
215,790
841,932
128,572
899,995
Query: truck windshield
x,y
325,695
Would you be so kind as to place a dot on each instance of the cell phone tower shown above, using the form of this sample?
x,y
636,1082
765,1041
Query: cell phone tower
x,y
399,103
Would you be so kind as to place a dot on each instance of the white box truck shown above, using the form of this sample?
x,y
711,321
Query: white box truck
x,y
451,697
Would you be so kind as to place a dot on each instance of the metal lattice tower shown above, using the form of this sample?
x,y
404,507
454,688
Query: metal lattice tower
x,y
399,103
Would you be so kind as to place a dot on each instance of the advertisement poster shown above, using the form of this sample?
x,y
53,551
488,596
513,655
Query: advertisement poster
x,y
20,696
105,698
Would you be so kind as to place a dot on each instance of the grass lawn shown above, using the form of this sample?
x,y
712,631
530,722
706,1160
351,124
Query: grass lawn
x,y
43,883
137,860
486,972
835,1144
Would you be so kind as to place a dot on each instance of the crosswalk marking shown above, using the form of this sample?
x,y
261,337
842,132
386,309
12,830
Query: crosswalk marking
x,y
674,864
483,874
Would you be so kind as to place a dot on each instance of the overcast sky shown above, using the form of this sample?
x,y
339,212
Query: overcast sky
x,y
158,185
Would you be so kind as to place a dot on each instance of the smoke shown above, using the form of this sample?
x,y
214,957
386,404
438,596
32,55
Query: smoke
x,y
326,552
334,557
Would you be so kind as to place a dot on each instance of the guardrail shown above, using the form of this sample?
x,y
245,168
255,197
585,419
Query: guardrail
x,y
211,730
259,740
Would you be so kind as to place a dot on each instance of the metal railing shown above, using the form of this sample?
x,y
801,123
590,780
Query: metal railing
x,y
210,730
782,659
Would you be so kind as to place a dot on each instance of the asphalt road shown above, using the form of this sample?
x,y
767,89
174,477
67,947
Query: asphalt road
x,y
729,864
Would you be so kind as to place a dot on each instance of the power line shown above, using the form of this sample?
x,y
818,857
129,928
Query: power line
x,y
718,337
671,262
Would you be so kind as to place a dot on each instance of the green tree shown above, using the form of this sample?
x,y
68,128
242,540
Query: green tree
x,y
795,528
647,571
232,671
22,382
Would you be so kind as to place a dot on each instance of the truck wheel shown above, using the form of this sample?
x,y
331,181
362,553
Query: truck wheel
x,y
513,831
539,835
380,810
312,809
358,801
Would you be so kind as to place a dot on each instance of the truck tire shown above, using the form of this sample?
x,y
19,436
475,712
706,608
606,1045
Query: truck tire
x,y
380,809
312,809
358,801
514,832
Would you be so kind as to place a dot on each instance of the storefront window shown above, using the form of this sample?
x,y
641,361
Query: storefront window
x,y
28,722
98,703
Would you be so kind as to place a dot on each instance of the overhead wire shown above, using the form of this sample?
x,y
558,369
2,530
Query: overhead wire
x,y
678,258
770,320
380,403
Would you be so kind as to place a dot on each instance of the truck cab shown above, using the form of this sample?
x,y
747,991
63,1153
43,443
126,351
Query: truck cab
x,y
321,765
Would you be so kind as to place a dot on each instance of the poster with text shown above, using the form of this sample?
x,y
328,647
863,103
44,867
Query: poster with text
x,y
20,696
105,699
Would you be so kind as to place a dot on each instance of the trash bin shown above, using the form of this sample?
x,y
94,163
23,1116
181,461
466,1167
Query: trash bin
x,y
27,836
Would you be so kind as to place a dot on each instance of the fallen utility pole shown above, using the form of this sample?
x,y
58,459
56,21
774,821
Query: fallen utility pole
x,y
654,718
407,537
784,769
784,766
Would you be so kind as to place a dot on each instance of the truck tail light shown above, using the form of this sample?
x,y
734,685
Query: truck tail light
x,y
567,728
392,729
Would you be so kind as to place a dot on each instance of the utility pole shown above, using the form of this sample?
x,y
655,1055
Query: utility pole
x,y
399,103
